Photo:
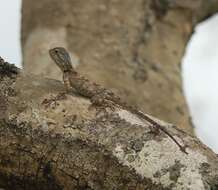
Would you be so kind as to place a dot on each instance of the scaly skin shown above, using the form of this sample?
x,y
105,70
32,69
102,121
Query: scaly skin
x,y
95,92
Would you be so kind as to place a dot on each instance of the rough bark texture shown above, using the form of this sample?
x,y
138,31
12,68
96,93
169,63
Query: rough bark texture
x,y
53,140
134,47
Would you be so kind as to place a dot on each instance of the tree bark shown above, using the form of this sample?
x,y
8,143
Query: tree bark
x,y
133,47
53,140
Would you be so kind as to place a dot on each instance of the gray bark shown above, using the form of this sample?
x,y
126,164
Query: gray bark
x,y
53,140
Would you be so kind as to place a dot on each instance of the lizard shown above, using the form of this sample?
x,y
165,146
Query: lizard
x,y
98,94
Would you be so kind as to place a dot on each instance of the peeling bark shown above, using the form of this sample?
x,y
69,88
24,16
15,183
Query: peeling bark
x,y
53,140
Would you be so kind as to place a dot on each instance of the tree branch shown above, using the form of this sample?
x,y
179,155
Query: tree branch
x,y
53,140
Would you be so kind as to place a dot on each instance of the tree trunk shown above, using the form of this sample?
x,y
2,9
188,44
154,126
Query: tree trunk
x,y
133,47
53,140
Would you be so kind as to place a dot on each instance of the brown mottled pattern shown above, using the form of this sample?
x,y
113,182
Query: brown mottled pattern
x,y
95,92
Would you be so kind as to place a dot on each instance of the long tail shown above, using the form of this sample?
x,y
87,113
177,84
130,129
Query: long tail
x,y
158,126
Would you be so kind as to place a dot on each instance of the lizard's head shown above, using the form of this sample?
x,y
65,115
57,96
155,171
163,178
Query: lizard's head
x,y
62,58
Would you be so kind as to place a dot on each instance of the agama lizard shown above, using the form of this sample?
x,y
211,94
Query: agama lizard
x,y
95,92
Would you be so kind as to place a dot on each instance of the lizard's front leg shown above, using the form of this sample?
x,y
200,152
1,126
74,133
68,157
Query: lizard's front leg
x,y
66,81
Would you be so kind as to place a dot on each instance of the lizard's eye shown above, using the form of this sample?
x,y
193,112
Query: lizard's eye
x,y
56,51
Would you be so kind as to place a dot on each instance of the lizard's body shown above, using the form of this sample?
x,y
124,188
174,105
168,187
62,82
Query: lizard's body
x,y
96,92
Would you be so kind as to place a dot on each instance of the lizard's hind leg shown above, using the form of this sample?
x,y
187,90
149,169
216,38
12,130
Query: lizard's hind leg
x,y
100,102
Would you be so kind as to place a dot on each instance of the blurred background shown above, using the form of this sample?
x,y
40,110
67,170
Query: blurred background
x,y
199,67
10,21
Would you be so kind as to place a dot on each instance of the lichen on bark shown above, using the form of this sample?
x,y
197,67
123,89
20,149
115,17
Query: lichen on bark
x,y
51,139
